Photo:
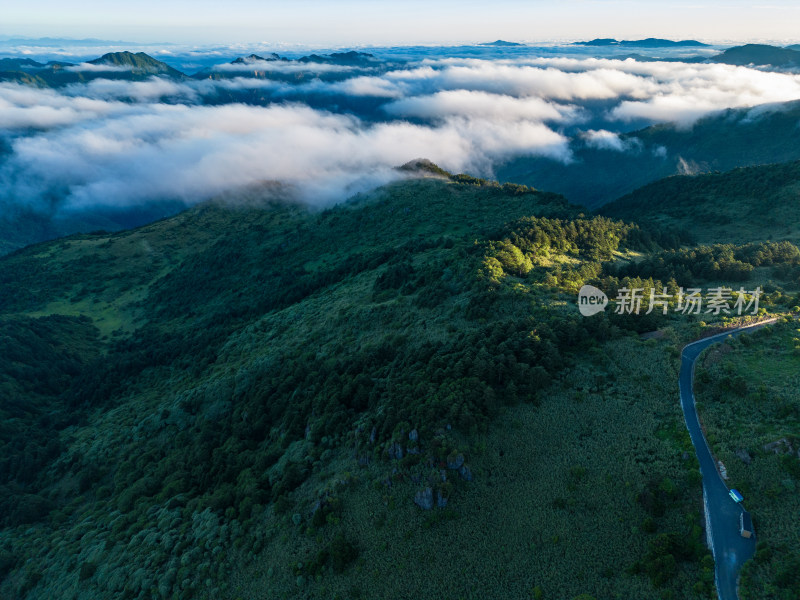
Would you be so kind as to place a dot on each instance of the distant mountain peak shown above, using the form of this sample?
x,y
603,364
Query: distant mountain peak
x,y
246,60
645,43
759,54
350,58
18,63
138,62
501,43
600,42
423,167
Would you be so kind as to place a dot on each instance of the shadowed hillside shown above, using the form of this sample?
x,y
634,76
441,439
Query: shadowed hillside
x,y
744,205
732,138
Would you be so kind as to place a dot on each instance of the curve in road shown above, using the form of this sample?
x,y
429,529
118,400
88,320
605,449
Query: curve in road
x,y
729,548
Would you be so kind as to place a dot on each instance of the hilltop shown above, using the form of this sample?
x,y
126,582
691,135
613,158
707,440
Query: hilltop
x,y
139,63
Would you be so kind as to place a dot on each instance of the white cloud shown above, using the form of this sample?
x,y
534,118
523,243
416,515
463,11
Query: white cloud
x,y
122,142
92,68
500,77
366,86
657,91
141,91
282,66
604,140
23,107
468,103
195,152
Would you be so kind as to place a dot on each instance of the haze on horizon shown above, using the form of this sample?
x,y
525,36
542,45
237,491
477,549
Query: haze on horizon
x,y
383,22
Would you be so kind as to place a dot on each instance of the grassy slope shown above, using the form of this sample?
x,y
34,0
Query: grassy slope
x,y
238,357
547,513
743,205
748,397
200,316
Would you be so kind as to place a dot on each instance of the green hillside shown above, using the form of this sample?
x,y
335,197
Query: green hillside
x,y
744,205
20,227
395,397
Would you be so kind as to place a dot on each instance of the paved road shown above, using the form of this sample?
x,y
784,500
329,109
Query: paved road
x,y
730,549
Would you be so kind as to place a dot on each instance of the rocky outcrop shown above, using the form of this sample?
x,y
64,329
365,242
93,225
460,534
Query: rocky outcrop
x,y
744,456
424,499
454,461
395,451
781,446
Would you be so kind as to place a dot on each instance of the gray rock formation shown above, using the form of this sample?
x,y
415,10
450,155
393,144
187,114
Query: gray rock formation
x,y
424,499
455,462
744,455
395,451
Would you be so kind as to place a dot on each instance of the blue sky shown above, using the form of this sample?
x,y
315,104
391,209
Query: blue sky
x,y
320,22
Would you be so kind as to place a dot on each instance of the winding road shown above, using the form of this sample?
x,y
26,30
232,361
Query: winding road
x,y
729,548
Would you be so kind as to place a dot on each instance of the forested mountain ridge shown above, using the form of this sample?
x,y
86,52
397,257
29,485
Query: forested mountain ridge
x,y
168,313
272,396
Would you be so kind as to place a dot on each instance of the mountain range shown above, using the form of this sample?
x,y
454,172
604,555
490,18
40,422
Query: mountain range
x,y
138,66
134,66
645,43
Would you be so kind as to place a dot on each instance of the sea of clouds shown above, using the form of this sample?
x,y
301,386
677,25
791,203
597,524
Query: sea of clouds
x,y
122,143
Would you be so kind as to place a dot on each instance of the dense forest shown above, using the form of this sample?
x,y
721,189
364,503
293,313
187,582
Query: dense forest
x,y
228,385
